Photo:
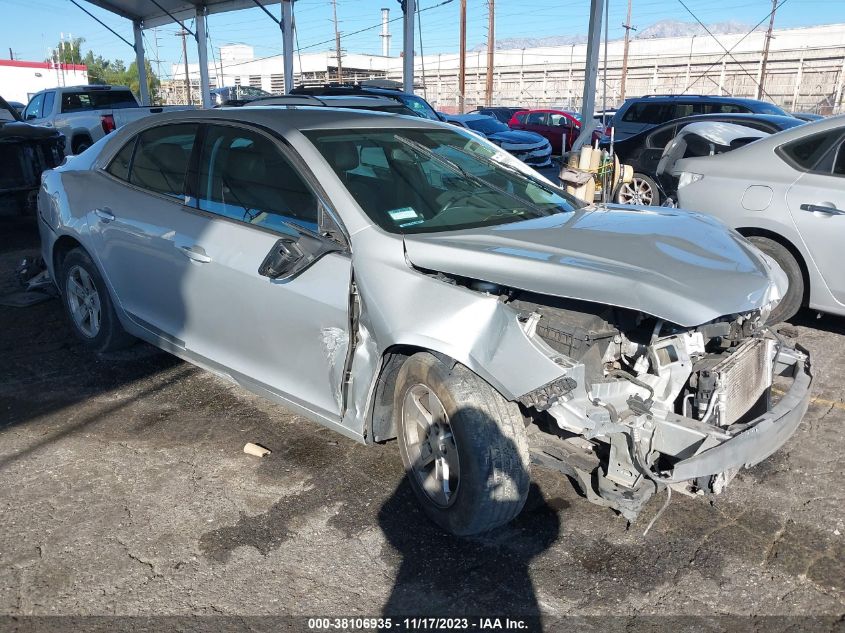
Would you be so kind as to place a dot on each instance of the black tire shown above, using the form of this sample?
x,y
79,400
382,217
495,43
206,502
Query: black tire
x,y
622,193
791,303
488,436
80,144
109,335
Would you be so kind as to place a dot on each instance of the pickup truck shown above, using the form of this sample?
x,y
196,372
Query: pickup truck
x,y
84,114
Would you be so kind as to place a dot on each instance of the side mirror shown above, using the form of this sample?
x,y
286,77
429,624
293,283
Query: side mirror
x,y
292,255
29,117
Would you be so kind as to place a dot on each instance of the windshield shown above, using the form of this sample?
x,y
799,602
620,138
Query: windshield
x,y
487,126
420,107
427,180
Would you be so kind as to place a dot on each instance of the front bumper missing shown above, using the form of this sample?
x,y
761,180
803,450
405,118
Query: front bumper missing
x,y
754,441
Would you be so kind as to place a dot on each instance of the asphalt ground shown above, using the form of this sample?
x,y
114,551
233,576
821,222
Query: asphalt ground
x,y
124,491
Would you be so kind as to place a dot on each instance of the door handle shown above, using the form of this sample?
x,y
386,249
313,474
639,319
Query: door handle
x,y
195,253
105,214
826,208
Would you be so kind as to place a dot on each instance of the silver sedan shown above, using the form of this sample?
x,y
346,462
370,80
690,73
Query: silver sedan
x,y
391,277
786,193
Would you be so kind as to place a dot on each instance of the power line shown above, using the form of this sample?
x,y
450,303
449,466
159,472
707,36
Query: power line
x,y
728,52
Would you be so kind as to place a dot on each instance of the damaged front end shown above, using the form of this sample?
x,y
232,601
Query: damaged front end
x,y
643,404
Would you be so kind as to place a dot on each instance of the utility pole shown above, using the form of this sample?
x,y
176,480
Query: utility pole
x,y
760,90
462,58
627,26
491,50
337,43
182,33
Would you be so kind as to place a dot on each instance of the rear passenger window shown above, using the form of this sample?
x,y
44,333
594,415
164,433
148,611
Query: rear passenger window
x,y
807,153
76,102
724,108
119,166
244,176
161,158
649,113
536,118
682,109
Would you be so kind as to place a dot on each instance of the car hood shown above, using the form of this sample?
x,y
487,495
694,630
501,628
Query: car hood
x,y
14,130
517,137
679,266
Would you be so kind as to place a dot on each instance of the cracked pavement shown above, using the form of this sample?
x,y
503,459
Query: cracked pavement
x,y
126,492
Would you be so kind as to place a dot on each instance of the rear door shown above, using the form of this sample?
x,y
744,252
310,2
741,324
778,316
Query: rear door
x,y
143,226
816,202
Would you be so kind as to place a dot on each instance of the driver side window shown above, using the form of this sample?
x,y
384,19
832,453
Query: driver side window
x,y
244,176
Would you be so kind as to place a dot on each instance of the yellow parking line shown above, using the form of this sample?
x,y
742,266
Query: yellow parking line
x,y
836,404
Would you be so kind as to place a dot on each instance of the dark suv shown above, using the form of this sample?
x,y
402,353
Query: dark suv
x,y
641,113
417,105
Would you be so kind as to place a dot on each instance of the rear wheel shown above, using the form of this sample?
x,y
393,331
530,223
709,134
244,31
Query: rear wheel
x,y
791,302
80,144
463,446
642,190
88,305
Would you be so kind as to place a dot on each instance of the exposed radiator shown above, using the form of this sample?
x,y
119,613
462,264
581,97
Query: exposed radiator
x,y
742,378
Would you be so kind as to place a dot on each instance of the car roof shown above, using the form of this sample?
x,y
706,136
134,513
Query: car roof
x,y
682,97
339,101
471,117
285,119
790,121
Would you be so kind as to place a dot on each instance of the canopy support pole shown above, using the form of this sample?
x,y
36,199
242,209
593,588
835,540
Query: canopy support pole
x,y
202,54
410,8
591,71
141,62
287,43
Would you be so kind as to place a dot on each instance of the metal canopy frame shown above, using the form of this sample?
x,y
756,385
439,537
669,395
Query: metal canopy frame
x,y
145,14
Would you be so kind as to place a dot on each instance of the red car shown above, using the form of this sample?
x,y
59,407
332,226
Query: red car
x,y
556,125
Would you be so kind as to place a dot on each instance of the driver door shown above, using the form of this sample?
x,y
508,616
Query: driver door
x,y
283,336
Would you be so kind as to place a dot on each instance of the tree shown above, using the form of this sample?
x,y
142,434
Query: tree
x,y
105,71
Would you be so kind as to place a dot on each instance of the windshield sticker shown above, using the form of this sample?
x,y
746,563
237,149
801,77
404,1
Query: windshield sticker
x,y
404,224
405,213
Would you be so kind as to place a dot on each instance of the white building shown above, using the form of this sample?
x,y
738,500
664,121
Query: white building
x,y
19,79
805,71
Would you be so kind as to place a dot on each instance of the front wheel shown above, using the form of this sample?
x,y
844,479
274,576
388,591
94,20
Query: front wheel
x,y
642,190
463,446
794,297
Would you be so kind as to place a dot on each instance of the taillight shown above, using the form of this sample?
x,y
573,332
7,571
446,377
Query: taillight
x,y
107,121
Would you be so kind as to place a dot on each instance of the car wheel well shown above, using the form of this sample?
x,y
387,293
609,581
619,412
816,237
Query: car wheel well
x,y
61,248
381,424
752,231
78,138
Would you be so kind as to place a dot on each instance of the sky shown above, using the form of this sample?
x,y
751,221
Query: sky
x,y
30,27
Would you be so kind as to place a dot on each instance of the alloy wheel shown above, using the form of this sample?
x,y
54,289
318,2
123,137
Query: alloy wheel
x,y
83,301
431,445
638,191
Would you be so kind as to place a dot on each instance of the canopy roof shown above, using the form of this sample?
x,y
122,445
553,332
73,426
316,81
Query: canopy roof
x,y
155,12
